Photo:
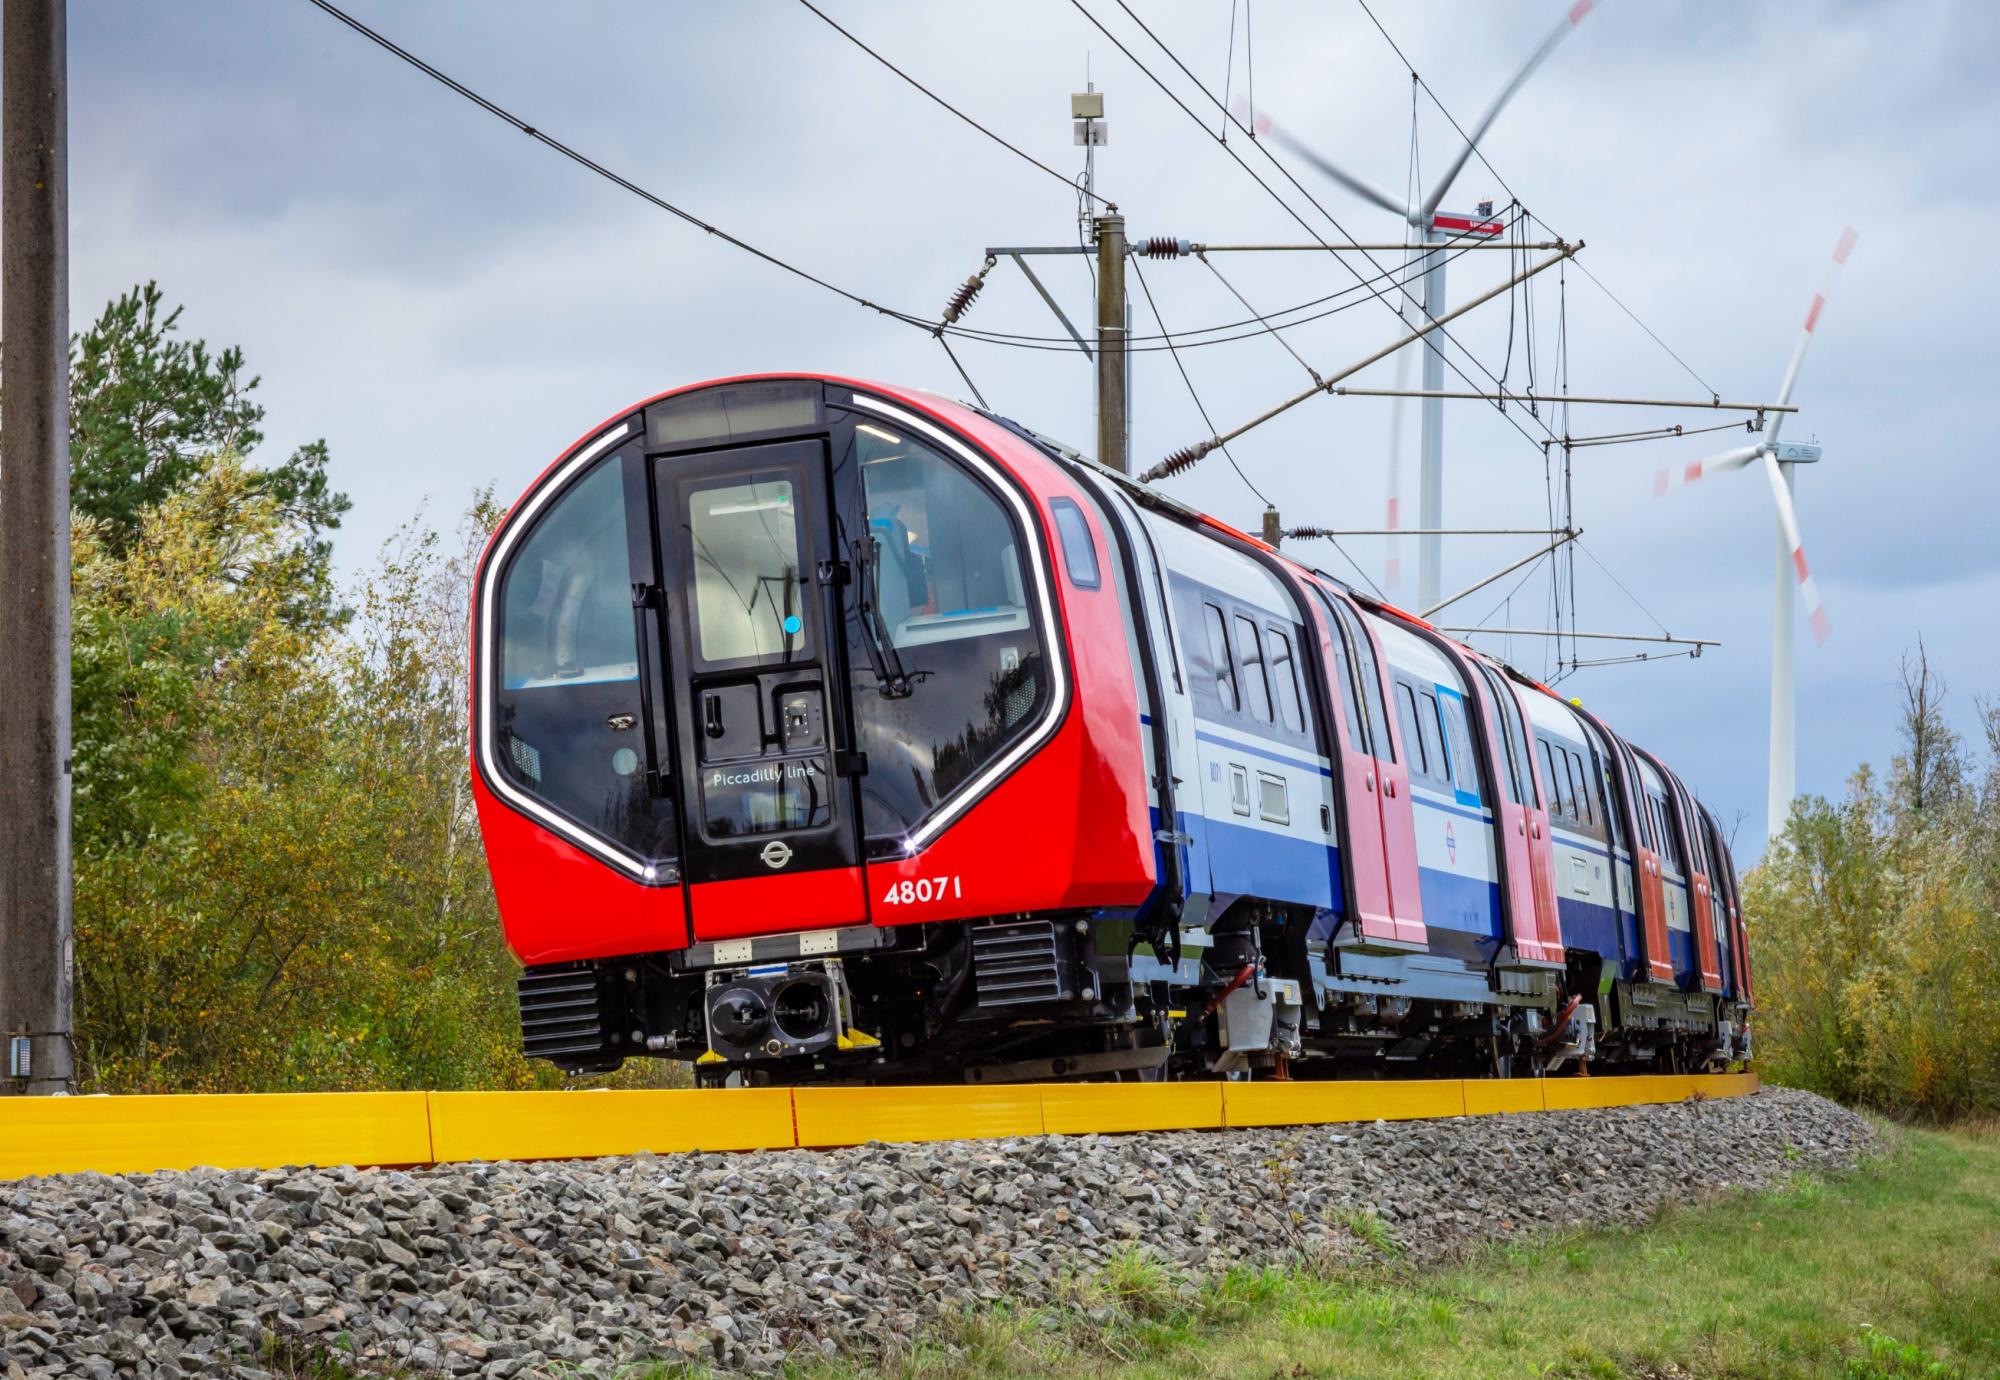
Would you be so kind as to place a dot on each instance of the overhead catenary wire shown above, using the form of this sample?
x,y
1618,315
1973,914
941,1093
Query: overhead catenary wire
x,y
1275,162
1485,162
1153,307
1014,149
583,160
1189,339
1284,204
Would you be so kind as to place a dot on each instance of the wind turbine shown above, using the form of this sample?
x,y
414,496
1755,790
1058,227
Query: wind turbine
x,y
1428,264
1779,460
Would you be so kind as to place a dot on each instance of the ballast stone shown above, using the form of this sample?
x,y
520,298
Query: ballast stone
x,y
736,1261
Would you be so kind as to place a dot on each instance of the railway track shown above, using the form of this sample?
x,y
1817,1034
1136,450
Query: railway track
x,y
117,1135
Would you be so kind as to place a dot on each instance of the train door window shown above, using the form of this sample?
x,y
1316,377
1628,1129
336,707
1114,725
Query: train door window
x,y
1458,739
1079,552
1578,798
1218,657
749,587
1431,730
1612,815
1343,671
1508,713
1369,674
1406,706
947,571
566,704
1557,780
1285,682
1670,845
1250,666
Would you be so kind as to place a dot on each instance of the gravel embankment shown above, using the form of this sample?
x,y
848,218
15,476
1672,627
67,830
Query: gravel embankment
x,y
524,1269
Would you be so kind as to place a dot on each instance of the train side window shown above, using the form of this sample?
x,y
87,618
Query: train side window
x,y
1079,551
1458,740
568,667
1218,657
1285,681
1406,707
1431,728
1250,663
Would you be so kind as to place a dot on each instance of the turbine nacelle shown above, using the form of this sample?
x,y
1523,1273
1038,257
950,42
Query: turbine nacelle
x,y
1773,454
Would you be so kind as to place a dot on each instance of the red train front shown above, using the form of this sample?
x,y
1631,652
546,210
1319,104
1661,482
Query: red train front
x,y
821,730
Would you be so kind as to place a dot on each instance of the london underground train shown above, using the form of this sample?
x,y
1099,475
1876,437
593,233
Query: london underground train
x,y
828,731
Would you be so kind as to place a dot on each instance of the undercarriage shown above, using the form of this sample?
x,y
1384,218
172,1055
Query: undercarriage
x,y
1045,998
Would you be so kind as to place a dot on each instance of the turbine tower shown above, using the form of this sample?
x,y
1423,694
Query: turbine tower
x,y
1780,459
1427,261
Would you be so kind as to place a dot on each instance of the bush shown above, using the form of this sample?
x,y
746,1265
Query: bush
x,y
1875,927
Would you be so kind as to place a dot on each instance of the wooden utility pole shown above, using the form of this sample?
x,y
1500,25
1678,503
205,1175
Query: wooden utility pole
x,y
35,1006
1111,319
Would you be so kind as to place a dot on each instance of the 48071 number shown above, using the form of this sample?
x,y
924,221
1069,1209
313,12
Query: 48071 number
x,y
917,891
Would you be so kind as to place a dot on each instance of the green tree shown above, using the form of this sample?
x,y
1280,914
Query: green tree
x,y
150,407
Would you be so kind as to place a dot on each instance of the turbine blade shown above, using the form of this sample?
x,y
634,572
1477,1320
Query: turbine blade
x,y
1788,524
1570,20
1692,472
1366,191
1840,253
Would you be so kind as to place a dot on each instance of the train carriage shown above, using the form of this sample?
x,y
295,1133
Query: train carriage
x,y
830,731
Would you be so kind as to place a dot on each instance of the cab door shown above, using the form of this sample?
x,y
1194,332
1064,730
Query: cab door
x,y
755,622
1527,871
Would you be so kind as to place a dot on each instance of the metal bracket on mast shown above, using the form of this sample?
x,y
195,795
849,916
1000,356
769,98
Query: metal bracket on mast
x,y
1561,540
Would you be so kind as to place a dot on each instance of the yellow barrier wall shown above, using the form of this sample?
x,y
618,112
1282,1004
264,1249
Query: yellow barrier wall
x,y
582,1125
118,1135
66,1135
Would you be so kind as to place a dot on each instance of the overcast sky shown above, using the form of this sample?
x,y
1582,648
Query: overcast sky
x,y
450,304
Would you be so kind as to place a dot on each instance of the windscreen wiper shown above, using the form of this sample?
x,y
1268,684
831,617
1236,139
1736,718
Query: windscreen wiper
x,y
887,663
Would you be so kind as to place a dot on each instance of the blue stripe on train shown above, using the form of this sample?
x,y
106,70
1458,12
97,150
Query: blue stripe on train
x,y
1236,859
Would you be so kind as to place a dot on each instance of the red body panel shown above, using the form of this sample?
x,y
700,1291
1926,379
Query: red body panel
x,y
780,902
1067,829
559,904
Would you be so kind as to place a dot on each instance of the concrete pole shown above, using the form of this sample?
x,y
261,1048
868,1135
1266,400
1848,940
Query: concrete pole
x,y
1112,316
34,552
1784,637
1430,480
1274,531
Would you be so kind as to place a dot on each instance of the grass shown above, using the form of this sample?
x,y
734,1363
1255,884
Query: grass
x,y
1891,1271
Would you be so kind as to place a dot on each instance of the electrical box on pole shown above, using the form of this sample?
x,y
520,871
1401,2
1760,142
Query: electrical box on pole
x,y
35,1004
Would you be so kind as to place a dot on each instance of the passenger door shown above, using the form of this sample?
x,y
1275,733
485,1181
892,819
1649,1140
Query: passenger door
x,y
1527,872
1701,910
757,690
1367,870
1385,776
1648,887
